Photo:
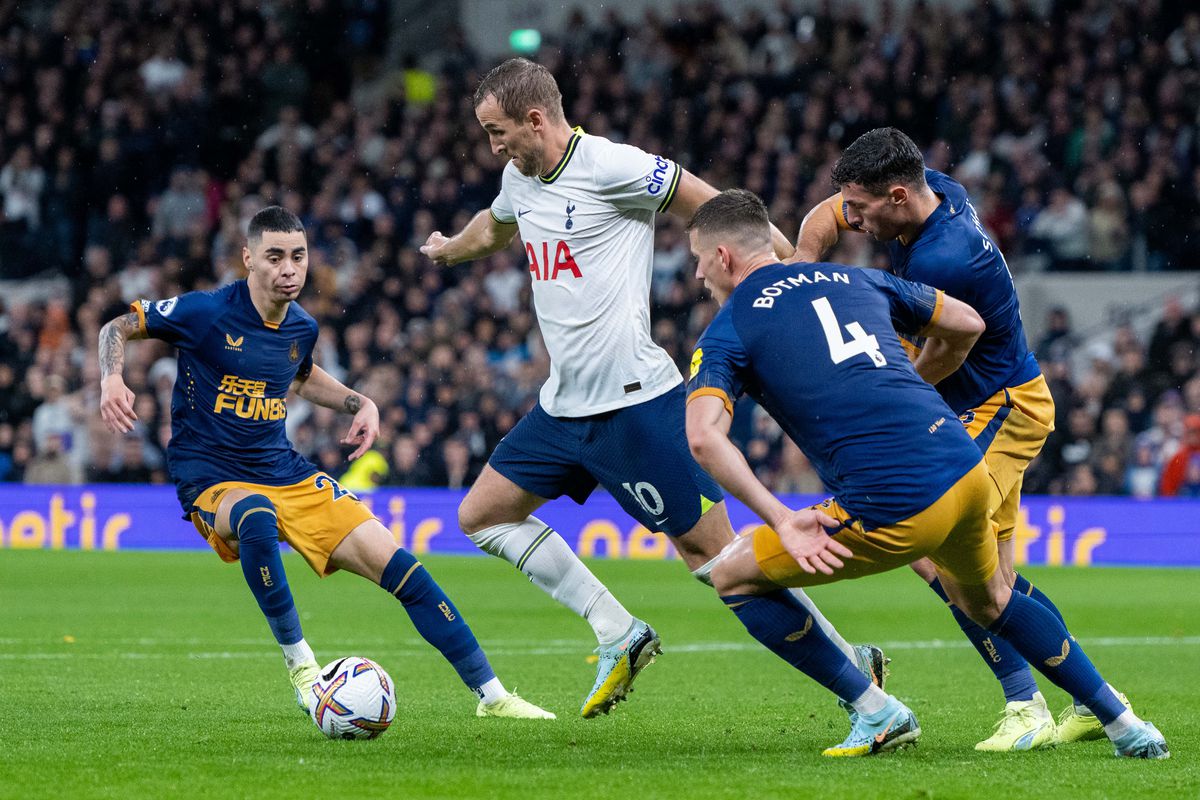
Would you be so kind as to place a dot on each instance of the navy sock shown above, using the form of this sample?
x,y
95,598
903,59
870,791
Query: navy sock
x,y
1042,638
1023,585
1013,672
436,618
253,519
787,629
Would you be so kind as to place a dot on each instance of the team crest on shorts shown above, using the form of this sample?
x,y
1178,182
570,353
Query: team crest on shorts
x,y
294,352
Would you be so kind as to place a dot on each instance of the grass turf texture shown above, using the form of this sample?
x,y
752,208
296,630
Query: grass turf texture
x,y
153,675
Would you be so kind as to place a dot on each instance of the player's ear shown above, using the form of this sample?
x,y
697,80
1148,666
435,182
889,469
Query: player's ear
x,y
536,119
246,257
726,258
899,195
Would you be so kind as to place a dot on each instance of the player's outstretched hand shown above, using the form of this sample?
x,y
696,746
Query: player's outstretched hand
x,y
804,537
433,247
116,404
363,429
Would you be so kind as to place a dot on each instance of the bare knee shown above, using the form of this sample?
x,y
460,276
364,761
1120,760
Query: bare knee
x,y
495,500
925,568
707,539
984,604
736,571
365,551
472,515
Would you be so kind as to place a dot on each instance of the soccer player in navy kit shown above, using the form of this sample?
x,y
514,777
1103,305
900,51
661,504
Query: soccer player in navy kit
x,y
241,349
934,236
816,346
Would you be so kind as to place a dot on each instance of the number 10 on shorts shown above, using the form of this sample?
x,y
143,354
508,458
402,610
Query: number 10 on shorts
x,y
647,497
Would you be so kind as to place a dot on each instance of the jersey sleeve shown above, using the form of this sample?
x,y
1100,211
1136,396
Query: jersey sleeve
x,y
913,306
717,363
842,213
181,320
502,210
631,178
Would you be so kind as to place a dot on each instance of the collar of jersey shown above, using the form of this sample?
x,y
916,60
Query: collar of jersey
x,y
552,175
245,296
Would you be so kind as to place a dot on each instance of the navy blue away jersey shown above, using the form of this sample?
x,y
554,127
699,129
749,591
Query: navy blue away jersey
x,y
230,399
952,253
816,346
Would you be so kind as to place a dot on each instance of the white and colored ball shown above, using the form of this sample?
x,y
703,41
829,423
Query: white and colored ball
x,y
353,698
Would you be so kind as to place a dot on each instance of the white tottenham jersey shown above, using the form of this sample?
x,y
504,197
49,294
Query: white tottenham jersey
x,y
588,229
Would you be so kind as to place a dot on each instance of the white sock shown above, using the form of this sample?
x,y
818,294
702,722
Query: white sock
x,y
534,548
1121,724
825,625
296,654
491,691
872,701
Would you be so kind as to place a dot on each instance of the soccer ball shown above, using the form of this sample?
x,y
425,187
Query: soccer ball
x,y
353,698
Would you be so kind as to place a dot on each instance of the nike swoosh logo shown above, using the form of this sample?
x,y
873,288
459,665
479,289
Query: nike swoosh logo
x,y
523,213
881,737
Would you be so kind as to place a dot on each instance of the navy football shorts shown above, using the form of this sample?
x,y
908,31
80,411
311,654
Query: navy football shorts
x,y
639,454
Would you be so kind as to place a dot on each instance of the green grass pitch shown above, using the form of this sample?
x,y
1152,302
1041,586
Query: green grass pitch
x,y
153,675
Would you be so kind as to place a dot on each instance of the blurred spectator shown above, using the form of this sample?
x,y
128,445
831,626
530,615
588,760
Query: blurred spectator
x,y
1081,481
1063,227
55,418
1141,477
456,470
128,464
1181,476
52,465
7,440
1057,342
22,182
180,208
407,466
1175,327
15,402
1108,229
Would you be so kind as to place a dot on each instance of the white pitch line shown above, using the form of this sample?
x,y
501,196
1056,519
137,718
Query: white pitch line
x,y
555,647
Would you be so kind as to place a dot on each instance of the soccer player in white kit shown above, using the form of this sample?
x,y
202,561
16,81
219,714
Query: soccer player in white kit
x,y
612,411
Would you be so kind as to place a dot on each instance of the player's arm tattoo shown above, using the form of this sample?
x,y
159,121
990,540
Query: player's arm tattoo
x,y
113,337
352,404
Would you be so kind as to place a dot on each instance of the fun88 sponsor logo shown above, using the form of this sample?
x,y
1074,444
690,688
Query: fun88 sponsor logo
x,y
656,179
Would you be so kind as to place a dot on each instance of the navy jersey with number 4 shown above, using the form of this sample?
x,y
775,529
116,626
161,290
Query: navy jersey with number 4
x,y
953,253
230,398
816,346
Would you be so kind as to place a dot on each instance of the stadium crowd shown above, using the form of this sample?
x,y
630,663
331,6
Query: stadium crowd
x,y
138,138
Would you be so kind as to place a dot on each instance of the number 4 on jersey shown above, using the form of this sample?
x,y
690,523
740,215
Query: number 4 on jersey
x,y
840,349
